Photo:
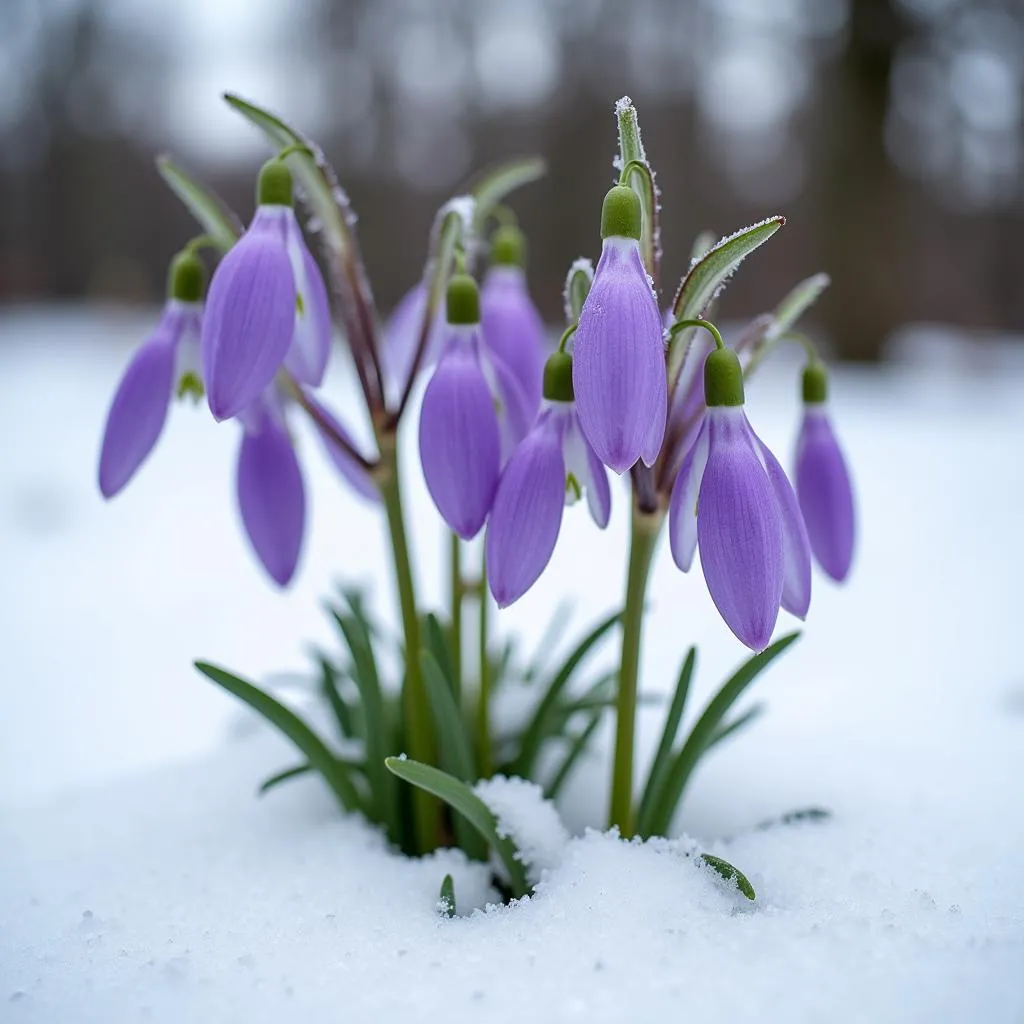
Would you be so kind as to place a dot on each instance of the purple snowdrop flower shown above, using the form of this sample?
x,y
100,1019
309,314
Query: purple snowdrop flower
x,y
269,483
168,361
460,437
619,374
823,481
267,305
551,468
513,329
733,500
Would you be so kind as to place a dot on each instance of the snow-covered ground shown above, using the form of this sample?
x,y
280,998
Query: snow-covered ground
x,y
141,880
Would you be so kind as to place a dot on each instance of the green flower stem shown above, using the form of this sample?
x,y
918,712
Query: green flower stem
x,y
485,762
458,591
646,528
419,737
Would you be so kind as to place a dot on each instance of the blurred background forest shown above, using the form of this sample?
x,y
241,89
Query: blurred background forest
x,y
889,132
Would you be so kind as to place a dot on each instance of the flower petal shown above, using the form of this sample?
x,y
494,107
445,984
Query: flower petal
x,y
527,513
739,530
361,481
139,408
513,408
682,509
796,548
589,471
460,443
619,361
250,315
513,329
310,348
271,496
826,494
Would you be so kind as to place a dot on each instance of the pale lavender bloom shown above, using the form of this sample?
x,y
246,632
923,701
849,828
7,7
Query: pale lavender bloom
x,y
270,490
513,329
267,306
460,436
271,493
619,360
825,492
139,408
733,500
552,467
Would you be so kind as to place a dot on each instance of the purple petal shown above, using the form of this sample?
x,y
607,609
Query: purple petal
x,y
401,335
825,493
589,470
796,548
514,415
460,443
271,496
739,530
527,513
139,408
250,315
310,348
619,361
513,330
682,509
361,481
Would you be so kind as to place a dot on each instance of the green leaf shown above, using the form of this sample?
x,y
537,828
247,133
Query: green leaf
x,y
329,689
796,303
540,724
804,814
464,801
456,753
215,218
728,729
495,183
577,287
438,645
662,759
730,874
284,719
704,729
549,640
384,796
641,181
702,245
708,276
447,901
577,746
289,773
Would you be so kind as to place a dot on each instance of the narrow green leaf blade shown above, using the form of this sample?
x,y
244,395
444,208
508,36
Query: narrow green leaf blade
x,y
577,747
727,729
663,756
730,874
329,689
796,303
213,215
462,799
539,726
455,748
284,719
447,901
495,183
437,643
289,773
697,742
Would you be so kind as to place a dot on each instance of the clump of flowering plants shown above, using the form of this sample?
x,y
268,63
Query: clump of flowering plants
x,y
511,431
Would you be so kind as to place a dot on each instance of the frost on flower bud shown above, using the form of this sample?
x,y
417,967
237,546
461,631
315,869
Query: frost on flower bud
x,y
618,353
267,305
271,494
552,467
823,481
513,329
138,411
732,500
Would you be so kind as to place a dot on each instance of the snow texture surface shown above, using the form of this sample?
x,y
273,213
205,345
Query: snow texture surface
x,y
141,880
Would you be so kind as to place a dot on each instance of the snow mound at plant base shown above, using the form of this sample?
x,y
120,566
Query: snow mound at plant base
x,y
178,897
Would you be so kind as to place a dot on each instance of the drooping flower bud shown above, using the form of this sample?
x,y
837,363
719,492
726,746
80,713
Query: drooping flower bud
x,y
823,480
139,408
553,467
267,305
732,500
618,353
